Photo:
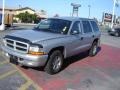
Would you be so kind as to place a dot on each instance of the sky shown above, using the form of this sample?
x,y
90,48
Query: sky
x,y
64,8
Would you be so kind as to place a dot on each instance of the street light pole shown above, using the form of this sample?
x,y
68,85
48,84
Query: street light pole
x,y
2,26
113,14
89,6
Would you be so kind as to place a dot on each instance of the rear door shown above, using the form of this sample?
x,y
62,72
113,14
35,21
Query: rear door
x,y
88,35
95,28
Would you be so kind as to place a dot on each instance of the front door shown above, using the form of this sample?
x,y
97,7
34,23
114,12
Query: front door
x,y
75,40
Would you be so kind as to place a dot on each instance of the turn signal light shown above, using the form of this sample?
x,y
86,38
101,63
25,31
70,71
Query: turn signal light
x,y
37,53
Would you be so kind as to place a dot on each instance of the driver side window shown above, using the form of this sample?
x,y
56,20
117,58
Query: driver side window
x,y
75,28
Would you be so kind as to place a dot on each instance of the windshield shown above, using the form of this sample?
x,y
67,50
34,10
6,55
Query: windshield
x,y
54,25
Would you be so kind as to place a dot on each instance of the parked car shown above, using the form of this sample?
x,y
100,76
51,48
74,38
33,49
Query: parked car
x,y
114,31
51,41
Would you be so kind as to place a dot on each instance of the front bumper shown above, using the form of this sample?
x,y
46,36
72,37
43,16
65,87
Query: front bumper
x,y
111,32
26,59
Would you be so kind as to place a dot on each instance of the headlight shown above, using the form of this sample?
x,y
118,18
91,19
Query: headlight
x,y
35,49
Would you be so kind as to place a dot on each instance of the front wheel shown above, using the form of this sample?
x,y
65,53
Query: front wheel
x,y
93,50
55,62
117,34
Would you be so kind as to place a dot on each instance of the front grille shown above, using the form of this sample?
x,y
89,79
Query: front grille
x,y
17,45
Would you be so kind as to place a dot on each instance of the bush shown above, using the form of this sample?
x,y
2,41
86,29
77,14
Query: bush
x,y
27,17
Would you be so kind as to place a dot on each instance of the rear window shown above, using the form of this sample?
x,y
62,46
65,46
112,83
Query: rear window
x,y
95,26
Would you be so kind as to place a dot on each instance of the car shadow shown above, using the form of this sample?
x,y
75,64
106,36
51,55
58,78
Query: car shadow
x,y
69,60
16,28
74,59
77,58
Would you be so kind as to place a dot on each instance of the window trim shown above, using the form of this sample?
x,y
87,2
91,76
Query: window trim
x,y
92,26
80,30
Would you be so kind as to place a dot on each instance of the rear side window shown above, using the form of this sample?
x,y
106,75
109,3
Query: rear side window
x,y
86,27
95,26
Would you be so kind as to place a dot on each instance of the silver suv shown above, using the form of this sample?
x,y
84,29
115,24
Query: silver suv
x,y
51,41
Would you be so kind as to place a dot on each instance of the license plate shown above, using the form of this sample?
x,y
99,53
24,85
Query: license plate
x,y
14,60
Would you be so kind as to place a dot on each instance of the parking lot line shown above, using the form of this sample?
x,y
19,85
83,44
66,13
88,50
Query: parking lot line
x,y
37,87
25,86
7,74
4,62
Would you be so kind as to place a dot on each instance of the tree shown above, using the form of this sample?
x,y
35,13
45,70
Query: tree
x,y
27,17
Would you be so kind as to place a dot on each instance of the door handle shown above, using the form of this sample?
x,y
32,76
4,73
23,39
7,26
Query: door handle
x,y
81,38
93,36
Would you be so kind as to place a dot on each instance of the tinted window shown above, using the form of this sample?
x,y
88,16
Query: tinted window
x,y
0,19
95,26
75,27
54,26
118,29
86,27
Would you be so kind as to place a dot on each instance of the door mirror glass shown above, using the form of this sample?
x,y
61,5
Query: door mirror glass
x,y
74,32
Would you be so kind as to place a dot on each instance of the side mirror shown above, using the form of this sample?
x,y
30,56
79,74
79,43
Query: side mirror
x,y
35,27
74,32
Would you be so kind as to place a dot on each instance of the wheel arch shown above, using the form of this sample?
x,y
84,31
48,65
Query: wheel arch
x,y
60,48
97,40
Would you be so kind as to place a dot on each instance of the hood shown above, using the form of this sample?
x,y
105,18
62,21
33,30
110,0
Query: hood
x,y
36,36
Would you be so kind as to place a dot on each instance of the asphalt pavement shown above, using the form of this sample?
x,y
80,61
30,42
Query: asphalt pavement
x,y
110,40
11,78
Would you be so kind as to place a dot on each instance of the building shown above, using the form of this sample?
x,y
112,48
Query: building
x,y
9,14
23,10
8,11
40,14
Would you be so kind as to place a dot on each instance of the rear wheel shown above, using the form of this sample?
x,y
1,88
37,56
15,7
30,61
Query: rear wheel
x,y
55,62
93,49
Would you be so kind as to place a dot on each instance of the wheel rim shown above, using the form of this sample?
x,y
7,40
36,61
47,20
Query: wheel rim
x,y
57,63
94,49
116,34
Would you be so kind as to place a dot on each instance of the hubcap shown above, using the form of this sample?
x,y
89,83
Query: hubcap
x,y
116,34
57,63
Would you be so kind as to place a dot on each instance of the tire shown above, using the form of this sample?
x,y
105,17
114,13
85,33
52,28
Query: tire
x,y
93,49
55,62
117,34
109,34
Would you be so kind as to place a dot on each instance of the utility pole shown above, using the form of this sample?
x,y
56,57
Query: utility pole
x,y
89,6
2,26
113,14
